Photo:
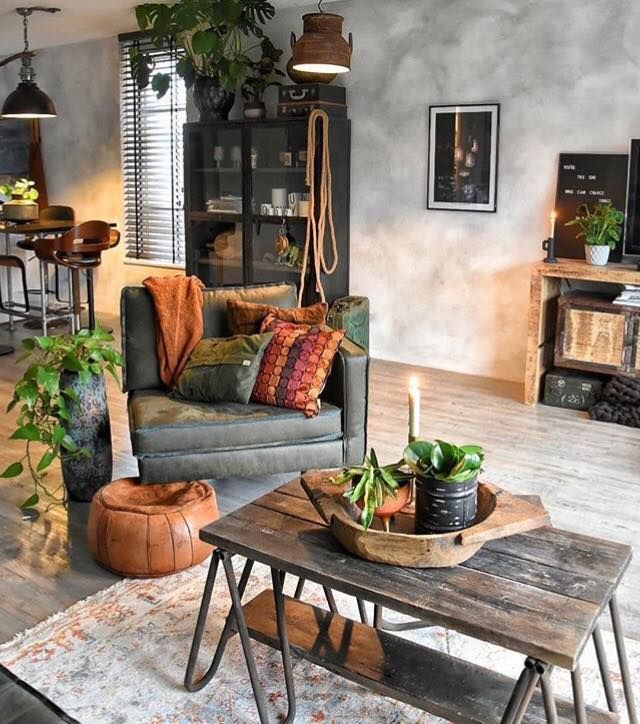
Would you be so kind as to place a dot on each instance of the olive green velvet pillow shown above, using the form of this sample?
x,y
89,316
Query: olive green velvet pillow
x,y
223,369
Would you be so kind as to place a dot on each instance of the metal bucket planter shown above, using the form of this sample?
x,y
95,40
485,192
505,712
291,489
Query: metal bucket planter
x,y
89,428
445,507
19,209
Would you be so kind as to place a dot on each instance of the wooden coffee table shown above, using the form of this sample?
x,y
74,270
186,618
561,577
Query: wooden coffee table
x,y
541,594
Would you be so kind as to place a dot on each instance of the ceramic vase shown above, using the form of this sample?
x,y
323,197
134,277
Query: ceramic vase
x,y
596,255
90,429
212,101
255,111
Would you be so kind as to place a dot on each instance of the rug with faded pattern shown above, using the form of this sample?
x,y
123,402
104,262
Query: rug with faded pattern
x,y
120,655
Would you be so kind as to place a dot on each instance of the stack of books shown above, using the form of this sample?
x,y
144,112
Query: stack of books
x,y
630,296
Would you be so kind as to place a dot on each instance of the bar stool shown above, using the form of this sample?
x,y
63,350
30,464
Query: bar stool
x,y
79,249
49,213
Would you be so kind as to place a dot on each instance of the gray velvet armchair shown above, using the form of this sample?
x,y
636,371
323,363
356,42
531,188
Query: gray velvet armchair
x,y
177,440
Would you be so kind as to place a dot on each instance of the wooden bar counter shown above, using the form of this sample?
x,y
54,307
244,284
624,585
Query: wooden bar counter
x,y
546,282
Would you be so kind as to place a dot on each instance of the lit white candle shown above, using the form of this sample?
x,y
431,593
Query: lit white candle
x,y
414,409
553,218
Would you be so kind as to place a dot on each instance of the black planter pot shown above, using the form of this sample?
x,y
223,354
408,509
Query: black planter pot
x,y
445,507
90,429
212,101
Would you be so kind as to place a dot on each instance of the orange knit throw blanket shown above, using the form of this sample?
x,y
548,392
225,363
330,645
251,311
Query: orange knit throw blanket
x,y
179,324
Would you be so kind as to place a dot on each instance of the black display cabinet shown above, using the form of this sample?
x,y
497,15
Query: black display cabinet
x,y
231,171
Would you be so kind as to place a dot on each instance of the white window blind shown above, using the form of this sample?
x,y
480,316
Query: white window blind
x,y
152,159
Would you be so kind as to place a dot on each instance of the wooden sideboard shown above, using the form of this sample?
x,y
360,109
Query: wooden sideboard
x,y
546,282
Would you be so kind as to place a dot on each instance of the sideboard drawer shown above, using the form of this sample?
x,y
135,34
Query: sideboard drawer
x,y
595,334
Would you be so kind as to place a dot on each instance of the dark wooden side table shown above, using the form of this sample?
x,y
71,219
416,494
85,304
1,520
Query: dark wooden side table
x,y
541,594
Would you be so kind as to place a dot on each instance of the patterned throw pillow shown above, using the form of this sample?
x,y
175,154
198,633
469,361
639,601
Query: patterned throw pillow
x,y
296,365
246,317
223,370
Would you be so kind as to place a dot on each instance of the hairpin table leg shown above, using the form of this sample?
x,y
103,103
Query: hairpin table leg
x,y
377,616
331,601
523,691
258,692
284,644
548,698
578,696
299,588
603,665
362,609
227,632
622,658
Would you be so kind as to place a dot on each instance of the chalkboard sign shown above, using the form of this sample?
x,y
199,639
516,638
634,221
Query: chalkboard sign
x,y
15,140
587,178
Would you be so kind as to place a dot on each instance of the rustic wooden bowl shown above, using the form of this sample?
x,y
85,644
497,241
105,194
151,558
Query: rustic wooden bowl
x,y
500,514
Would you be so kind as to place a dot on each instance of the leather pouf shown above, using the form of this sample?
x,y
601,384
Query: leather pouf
x,y
150,530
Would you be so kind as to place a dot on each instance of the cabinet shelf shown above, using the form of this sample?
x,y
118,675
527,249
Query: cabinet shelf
x,y
229,216
252,234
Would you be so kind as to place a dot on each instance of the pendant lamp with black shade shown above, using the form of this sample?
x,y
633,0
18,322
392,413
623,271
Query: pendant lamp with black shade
x,y
321,48
27,100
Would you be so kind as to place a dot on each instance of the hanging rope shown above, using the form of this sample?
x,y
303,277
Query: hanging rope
x,y
320,205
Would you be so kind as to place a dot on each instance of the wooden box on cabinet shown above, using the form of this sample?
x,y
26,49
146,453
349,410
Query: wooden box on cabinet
x,y
594,334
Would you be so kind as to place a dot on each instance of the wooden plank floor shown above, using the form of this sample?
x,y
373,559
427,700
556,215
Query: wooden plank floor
x,y
586,473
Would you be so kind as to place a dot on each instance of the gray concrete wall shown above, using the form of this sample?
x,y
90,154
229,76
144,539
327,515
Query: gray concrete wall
x,y
450,289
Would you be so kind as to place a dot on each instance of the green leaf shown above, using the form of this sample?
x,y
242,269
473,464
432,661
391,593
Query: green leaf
x,y
161,83
417,455
58,434
374,458
68,444
50,379
30,502
45,461
29,344
13,470
205,42
27,432
71,363
44,342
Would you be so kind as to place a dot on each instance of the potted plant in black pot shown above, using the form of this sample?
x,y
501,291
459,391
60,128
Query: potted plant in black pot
x,y
380,491
261,75
22,204
601,229
63,414
446,484
214,40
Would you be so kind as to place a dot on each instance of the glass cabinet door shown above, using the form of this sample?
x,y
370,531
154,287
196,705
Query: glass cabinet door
x,y
279,200
214,204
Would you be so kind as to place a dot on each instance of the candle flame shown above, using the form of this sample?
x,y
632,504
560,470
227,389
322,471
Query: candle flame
x,y
413,383
554,215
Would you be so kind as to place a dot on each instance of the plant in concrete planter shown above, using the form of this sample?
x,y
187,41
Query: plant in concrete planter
x,y
62,413
446,484
380,491
262,74
211,37
22,206
601,229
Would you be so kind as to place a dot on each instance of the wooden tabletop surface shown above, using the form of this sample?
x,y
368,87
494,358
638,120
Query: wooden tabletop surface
x,y
538,593
41,227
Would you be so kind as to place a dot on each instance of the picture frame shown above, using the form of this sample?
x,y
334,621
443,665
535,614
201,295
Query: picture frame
x,y
463,157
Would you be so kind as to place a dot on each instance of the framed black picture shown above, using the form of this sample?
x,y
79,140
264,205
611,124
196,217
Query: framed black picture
x,y
463,157
632,226
15,141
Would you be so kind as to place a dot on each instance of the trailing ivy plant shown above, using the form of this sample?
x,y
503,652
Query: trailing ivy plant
x,y
210,35
600,226
444,461
43,404
372,484
21,188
